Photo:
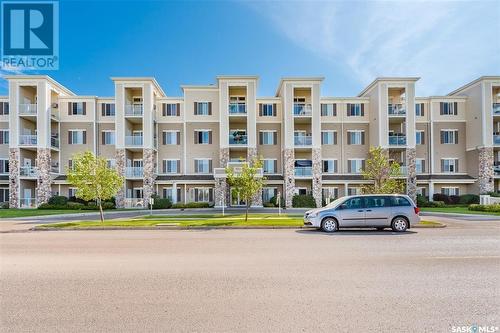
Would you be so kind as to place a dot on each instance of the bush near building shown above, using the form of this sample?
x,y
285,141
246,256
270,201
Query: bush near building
x,y
443,200
61,202
495,208
303,201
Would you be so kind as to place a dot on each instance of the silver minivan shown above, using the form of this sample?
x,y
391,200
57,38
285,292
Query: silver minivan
x,y
379,211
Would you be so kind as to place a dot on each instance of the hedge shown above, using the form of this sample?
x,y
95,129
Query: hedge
x,y
303,201
192,205
495,208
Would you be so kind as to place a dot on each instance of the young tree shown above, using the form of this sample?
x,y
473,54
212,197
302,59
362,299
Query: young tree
x,y
247,182
93,179
383,173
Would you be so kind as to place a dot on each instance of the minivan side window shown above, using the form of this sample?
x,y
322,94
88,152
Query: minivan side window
x,y
377,202
354,203
400,201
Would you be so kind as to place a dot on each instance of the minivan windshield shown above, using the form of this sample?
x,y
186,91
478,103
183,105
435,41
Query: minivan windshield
x,y
335,202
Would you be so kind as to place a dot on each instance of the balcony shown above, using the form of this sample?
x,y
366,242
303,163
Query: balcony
x,y
28,140
397,140
496,139
27,203
496,168
134,110
496,109
27,109
54,142
403,170
238,139
134,172
302,140
28,171
237,108
302,110
134,203
303,172
396,110
134,140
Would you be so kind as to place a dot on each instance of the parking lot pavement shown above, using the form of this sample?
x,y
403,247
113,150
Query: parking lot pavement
x,y
250,280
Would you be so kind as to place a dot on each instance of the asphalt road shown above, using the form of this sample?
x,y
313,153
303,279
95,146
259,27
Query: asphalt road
x,y
426,280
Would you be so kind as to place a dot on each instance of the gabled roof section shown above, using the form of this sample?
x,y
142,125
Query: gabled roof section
x,y
299,79
386,79
40,77
140,79
470,84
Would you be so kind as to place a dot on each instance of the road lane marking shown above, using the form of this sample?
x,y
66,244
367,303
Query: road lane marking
x,y
467,257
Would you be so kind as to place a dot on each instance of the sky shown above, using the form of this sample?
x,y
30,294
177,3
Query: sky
x,y
350,43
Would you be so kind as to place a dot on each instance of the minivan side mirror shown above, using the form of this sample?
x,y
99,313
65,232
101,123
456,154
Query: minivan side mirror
x,y
342,206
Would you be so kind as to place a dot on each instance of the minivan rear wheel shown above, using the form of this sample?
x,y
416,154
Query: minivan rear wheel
x,y
399,224
329,225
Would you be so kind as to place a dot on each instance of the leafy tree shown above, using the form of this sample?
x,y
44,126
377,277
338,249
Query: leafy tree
x,y
383,174
93,179
247,182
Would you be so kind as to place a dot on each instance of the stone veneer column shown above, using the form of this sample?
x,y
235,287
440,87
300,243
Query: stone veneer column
x,y
149,175
317,180
44,182
251,156
288,161
411,181
120,168
485,175
14,156
221,188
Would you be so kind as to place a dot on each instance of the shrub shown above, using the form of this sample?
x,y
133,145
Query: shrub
x,y
274,201
467,199
192,205
303,201
268,204
58,200
161,203
454,199
494,194
4,205
441,197
422,201
74,205
485,208
108,205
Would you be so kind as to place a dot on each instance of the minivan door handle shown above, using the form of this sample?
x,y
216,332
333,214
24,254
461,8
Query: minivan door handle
x,y
360,210
368,210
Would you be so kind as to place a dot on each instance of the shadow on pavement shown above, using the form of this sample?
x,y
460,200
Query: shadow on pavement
x,y
356,232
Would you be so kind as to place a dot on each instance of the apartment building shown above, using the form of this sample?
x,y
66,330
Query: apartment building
x,y
179,147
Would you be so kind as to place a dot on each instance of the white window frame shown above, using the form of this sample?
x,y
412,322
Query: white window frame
x,y
447,170
329,134
446,190
204,107
416,165
79,108
113,136
108,107
170,132
205,193
73,131
357,190
177,165
359,168
207,131
198,160
421,134
269,133
266,107
70,190
5,162
358,134
268,189
5,133
333,160
449,131
271,161
357,110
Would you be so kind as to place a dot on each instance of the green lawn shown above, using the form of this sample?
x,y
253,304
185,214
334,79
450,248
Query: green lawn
x,y
456,210
13,212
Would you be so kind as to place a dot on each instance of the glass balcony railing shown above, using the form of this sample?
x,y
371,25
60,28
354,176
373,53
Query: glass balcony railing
x,y
302,109
28,140
397,140
134,203
396,110
237,108
239,139
27,109
28,171
134,110
133,140
302,140
496,139
27,202
496,109
303,171
134,172
54,142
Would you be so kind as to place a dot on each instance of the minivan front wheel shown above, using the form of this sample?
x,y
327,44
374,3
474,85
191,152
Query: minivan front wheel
x,y
329,225
399,224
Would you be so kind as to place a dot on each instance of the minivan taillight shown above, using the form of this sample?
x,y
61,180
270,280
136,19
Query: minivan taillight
x,y
417,210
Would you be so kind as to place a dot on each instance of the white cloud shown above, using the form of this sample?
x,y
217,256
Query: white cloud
x,y
445,43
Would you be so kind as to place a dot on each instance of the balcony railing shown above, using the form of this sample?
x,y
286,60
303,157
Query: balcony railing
x,y
496,109
27,109
403,170
302,109
134,172
133,140
28,140
27,171
396,110
496,167
303,171
54,168
397,140
134,110
496,139
237,108
54,142
302,140
134,203
238,139
27,202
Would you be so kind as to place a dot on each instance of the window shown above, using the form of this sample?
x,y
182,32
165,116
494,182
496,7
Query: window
x,y
420,165
171,137
419,109
420,137
268,137
203,165
329,110
4,194
449,165
356,137
329,137
267,110
377,202
171,110
4,108
108,109
421,191
355,165
77,137
77,108
353,203
450,190
203,137
330,194
203,108
111,163
268,193
70,165
448,108
355,110
4,137
202,194
168,193
449,136
329,166
400,201
269,166
71,192
171,166
4,166
108,137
